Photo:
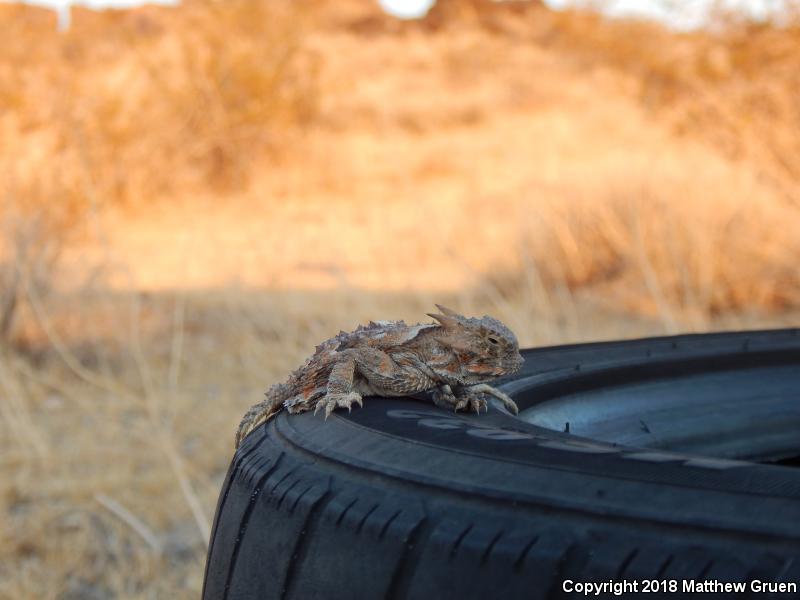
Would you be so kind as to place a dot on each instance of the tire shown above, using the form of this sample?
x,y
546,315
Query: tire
x,y
400,499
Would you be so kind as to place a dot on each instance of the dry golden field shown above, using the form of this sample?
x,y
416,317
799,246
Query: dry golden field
x,y
191,198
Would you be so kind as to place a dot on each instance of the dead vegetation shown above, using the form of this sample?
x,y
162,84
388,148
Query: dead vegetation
x,y
681,255
192,198
732,87
130,105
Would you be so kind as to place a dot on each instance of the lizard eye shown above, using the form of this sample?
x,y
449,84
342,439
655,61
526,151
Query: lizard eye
x,y
493,340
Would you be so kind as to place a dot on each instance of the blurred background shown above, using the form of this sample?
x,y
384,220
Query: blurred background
x,y
193,196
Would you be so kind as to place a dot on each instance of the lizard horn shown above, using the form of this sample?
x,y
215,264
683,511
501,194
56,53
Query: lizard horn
x,y
447,311
446,321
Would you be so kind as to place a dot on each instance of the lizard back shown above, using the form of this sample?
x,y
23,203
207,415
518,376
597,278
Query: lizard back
x,y
310,380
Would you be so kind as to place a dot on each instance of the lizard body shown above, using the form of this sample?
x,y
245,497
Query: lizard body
x,y
453,357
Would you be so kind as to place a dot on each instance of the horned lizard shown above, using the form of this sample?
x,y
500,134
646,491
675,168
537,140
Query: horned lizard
x,y
453,358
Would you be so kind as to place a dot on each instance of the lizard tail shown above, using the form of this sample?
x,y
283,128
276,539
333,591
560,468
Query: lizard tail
x,y
262,411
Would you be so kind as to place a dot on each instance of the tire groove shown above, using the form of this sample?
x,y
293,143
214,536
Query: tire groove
x,y
401,579
249,472
521,558
625,562
344,512
460,539
233,473
243,523
663,568
490,547
310,524
386,525
286,491
570,553
284,478
299,497
365,517
704,571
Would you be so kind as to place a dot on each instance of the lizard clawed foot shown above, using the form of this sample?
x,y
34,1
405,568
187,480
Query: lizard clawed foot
x,y
331,401
468,398
475,402
478,405
484,388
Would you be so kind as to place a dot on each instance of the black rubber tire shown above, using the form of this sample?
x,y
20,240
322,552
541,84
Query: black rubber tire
x,y
400,499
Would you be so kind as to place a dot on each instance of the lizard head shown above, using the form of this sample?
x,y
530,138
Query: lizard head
x,y
485,347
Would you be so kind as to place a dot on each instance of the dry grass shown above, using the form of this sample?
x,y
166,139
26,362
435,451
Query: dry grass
x,y
733,88
193,198
684,254
135,104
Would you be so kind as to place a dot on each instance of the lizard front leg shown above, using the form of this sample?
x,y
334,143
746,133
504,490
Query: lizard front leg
x,y
340,387
378,373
